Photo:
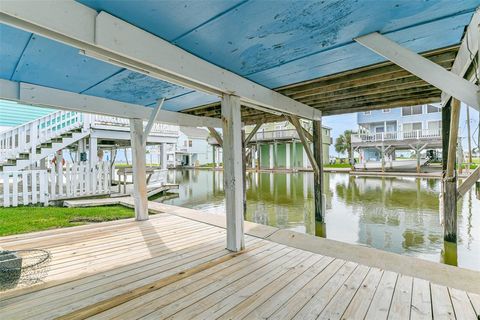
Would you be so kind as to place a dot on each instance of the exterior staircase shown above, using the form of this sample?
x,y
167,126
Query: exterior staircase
x,y
28,143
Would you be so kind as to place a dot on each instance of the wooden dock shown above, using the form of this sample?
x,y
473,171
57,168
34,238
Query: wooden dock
x,y
172,266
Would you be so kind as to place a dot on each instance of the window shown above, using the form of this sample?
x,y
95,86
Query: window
x,y
432,109
434,125
190,143
386,110
367,113
409,111
409,127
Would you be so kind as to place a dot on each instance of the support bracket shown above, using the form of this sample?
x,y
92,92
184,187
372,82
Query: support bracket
x,y
153,117
423,68
298,126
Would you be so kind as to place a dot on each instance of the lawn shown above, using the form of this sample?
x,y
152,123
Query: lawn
x,y
28,219
338,165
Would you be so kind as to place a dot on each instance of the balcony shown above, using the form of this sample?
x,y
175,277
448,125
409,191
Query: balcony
x,y
106,122
425,134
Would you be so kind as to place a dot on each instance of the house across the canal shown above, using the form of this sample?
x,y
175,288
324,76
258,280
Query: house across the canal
x,y
400,133
277,146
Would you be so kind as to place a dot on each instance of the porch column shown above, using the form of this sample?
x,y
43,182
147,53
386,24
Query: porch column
x,y
163,152
287,156
294,155
318,188
93,151
214,156
253,155
270,156
139,169
304,158
233,175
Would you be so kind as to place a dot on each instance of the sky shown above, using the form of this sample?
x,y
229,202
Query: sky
x,y
343,122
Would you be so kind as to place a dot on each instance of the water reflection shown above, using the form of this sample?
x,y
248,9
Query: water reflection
x,y
393,214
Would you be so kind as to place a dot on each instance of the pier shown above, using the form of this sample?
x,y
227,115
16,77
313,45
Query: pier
x,y
175,265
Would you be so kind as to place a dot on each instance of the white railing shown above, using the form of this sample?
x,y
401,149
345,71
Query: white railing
x,y
276,134
23,188
397,135
26,137
158,128
79,180
41,186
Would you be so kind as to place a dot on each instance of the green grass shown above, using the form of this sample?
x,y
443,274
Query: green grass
x,y
29,219
338,165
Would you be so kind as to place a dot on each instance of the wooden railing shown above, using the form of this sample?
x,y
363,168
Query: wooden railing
x,y
25,137
41,186
397,135
157,129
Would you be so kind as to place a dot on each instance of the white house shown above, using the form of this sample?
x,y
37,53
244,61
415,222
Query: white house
x,y
193,148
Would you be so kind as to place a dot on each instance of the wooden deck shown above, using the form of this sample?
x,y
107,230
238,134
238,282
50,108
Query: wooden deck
x,y
177,268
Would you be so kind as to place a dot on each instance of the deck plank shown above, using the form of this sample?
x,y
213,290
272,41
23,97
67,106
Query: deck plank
x,y
358,307
421,302
441,303
175,267
461,305
382,298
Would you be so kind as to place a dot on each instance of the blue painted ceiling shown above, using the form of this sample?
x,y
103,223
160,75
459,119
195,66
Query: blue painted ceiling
x,y
273,43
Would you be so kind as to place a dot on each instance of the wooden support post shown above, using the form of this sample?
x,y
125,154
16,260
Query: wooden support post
x,y
318,187
287,156
244,172
214,157
93,152
163,152
270,156
306,147
382,155
450,179
417,154
216,135
233,175
138,141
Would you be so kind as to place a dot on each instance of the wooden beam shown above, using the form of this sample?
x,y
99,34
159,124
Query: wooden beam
x,y
468,182
216,135
467,52
64,100
307,134
318,188
298,126
255,129
423,68
233,171
139,169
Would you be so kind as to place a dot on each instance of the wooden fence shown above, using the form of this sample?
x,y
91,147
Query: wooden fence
x,y
41,186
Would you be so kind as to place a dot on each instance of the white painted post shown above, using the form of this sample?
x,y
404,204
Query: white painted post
x,y
24,188
6,189
270,156
93,150
139,169
34,187
43,186
214,160
233,173
164,155
287,156
14,189
254,156
304,158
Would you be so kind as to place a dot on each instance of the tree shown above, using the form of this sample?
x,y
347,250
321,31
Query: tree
x,y
344,143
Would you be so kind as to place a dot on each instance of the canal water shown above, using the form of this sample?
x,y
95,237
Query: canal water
x,y
397,214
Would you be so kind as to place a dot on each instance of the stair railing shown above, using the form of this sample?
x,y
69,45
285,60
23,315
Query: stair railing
x,y
26,137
